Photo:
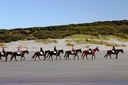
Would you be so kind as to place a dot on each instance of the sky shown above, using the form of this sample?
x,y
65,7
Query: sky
x,y
42,13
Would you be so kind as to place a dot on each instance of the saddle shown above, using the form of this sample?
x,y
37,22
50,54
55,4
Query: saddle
x,y
90,51
18,53
72,52
41,53
113,51
2,53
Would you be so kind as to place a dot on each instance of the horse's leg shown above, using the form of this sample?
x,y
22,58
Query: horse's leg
x,y
74,56
11,58
77,56
21,58
59,57
105,55
92,56
116,56
52,57
56,57
68,57
82,55
44,57
110,56
33,55
49,57
39,57
6,58
15,58
65,55
24,58
0,57
86,57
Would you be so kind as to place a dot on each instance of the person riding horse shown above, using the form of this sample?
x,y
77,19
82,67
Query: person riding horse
x,y
3,51
41,50
55,50
18,50
73,49
90,49
113,49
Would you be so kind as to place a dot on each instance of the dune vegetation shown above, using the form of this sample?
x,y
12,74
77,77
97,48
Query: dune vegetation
x,y
97,30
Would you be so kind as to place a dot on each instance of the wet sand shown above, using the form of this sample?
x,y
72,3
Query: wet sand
x,y
66,72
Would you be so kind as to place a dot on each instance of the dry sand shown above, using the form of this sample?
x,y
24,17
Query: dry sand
x,y
63,72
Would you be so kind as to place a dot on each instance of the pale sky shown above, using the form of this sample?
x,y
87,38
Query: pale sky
x,y
41,13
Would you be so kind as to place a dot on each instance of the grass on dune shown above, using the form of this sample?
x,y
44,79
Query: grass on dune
x,y
47,41
99,37
87,39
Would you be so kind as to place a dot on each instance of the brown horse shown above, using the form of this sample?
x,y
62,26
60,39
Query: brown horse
x,y
38,54
86,52
115,52
67,53
5,54
51,53
14,54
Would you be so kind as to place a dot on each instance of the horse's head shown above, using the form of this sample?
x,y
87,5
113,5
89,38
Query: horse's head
x,y
79,50
122,51
96,49
27,51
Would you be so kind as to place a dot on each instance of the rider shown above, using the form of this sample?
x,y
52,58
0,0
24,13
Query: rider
x,y
2,51
73,49
113,49
55,50
41,50
18,50
90,49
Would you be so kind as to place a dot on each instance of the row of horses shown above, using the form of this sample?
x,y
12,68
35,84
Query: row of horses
x,y
49,54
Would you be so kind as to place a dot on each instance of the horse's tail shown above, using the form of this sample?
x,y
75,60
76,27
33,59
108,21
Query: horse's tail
x,y
82,55
0,58
33,56
65,54
106,55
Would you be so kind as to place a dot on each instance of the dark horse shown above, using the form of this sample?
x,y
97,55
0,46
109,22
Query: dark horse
x,y
67,53
86,52
51,53
116,51
38,54
5,54
14,54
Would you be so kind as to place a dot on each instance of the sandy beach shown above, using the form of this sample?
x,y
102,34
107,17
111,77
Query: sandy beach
x,y
100,71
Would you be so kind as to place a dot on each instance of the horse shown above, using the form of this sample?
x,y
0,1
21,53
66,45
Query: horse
x,y
5,54
38,54
14,54
67,53
87,52
116,51
51,53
